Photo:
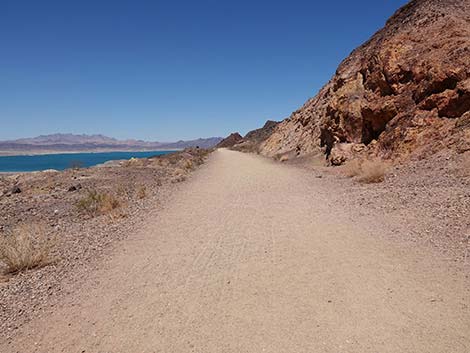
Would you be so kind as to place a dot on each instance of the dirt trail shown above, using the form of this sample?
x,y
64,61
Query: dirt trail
x,y
252,256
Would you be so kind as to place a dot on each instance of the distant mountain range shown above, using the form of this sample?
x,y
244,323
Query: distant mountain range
x,y
94,143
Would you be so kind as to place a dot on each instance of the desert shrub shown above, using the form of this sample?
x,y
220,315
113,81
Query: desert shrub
x,y
178,177
353,168
109,203
174,158
162,162
465,170
188,164
373,171
26,247
90,203
366,171
142,192
76,164
125,190
95,203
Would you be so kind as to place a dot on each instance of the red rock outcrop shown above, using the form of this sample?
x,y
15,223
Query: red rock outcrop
x,y
404,92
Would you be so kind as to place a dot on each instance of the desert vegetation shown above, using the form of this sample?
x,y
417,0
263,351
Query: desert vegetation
x,y
465,170
26,247
69,218
353,168
95,203
55,199
76,164
142,192
188,165
366,171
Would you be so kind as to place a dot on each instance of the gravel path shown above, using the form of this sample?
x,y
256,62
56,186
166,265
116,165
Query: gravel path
x,y
253,256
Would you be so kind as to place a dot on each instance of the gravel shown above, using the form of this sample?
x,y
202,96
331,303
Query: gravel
x,y
50,198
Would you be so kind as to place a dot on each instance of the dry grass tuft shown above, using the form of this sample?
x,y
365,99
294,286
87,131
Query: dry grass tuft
x,y
353,168
142,192
373,171
25,248
465,171
95,203
90,203
109,203
178,177
188,165
367,171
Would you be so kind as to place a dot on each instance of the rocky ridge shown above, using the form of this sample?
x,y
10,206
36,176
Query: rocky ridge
x,y
253,139
404,93
230,140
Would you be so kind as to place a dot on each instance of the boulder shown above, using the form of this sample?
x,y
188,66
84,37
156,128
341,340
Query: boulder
x,y
16,190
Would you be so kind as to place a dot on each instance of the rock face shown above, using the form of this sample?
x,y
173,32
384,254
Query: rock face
x,y
230,140
404,92
253,139
263,133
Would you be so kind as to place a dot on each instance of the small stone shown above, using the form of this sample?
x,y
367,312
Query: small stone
x,y
16,190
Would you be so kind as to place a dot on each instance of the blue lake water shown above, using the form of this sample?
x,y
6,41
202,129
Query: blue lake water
x,y
63,161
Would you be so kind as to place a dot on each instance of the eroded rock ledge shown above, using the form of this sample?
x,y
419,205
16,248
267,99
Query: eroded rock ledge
x,y
405,92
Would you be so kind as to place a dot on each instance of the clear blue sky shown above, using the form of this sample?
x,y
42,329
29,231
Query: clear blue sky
x,y
165,70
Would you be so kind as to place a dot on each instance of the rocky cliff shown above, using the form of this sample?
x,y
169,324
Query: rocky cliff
x,y
404,92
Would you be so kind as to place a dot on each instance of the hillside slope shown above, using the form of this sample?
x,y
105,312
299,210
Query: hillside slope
x,y
253,139
404,92
230,140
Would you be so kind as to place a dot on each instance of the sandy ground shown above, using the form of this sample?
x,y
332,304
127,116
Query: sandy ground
x,y
81,236
253,256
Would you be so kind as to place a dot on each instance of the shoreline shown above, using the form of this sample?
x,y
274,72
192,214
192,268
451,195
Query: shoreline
x,y
52,152
69,155
84,235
